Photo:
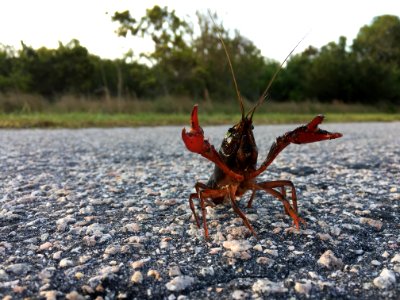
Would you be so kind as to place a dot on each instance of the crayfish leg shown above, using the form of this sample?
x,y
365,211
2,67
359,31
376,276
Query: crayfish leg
x,y
204,194
232,191
289,210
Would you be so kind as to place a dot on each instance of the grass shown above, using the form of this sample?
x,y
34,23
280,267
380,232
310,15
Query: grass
x,y
82,120
30,111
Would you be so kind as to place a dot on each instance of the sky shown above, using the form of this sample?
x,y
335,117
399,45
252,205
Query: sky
x,y
275,27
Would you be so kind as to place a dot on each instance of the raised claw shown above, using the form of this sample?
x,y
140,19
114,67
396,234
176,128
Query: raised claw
x,y
310,133
195,142
194,139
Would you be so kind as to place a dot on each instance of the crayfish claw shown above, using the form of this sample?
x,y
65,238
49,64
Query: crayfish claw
x,y
313,125
194,139
194,118
311,133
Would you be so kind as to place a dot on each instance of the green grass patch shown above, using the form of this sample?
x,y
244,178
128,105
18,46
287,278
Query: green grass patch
x,y
33,111
83,120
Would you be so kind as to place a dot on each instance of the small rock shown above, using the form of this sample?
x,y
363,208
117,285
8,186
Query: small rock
x,y
371,222
154,273
272,252
208,271
329,260
105,238
396,258
74,295
303,288
268,287
238,232
137,277
324,236
95,229
386,279
63,223
84,258
132,227
164,245
137,264
57,255
335,230
18,269
180,283
87,289
112,249
65,262
258,247
174,271
277,230
375,263
262,260
44,237
45,246
214,251
245,255
89,240
239,295
237,245
49,295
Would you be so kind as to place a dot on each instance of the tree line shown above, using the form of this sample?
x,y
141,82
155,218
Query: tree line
x,y
184,63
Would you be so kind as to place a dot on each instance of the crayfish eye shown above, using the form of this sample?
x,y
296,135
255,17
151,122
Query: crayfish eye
x,y
229,133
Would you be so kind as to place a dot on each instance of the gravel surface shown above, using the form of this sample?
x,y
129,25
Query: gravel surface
x,y
103,213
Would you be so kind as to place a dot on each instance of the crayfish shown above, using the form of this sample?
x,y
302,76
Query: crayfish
x,y
236,168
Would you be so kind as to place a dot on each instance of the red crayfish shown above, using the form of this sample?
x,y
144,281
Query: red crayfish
x,y
236,168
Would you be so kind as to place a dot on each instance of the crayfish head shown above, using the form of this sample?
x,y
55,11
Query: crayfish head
x,y
194,138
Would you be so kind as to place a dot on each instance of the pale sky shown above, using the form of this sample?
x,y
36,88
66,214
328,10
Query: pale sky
x,y
274,26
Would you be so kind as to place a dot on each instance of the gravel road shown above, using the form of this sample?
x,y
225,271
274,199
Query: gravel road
x,y
104,214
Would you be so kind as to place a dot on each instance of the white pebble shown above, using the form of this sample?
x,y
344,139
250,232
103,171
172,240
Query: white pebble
x,y
386,279
267,286
237,245
180,283
65,262
396,258
303,288
137,277
329,260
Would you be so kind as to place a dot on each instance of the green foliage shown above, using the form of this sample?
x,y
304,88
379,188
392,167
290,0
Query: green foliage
x,y
187,65
376,52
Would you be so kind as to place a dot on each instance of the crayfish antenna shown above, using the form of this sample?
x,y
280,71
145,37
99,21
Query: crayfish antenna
x,y
265,93
230,66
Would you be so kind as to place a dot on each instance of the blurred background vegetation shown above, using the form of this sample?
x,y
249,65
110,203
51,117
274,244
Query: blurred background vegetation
x,y
185,68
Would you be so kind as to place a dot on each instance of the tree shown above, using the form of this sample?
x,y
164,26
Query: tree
x,y
67,69
377,52
12,76
379,41
213,69
172,56
330,75
296,76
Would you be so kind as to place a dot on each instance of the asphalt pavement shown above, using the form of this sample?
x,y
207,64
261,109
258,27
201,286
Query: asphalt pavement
x,y
104,214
